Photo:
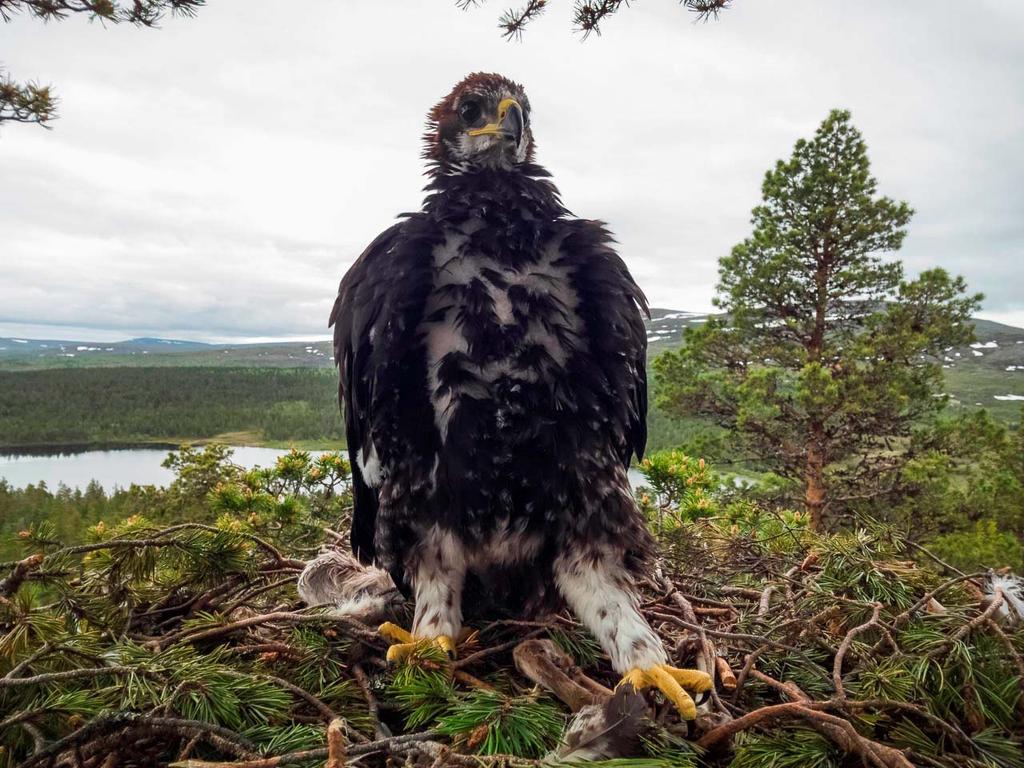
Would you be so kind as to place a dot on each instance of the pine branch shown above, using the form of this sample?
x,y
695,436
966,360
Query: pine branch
x,y
706,9
587,14
844,647
372,705
252,594
986,615
29,103
70,674
328,714
513,21
356,630
145,13
279,559
840,731
33,103
473,658
18,574
385,746
933,557
738,636
901,620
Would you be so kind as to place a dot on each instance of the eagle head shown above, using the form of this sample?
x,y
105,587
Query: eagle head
x,y
483,123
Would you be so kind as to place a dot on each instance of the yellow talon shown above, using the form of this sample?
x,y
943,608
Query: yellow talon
x,y
671,682
404,643
446,644
691,679
635,677
392,631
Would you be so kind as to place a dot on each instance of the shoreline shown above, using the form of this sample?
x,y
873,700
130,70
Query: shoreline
x,y
238,439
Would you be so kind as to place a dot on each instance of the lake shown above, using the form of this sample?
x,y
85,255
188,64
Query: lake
x,y
120,467
111,468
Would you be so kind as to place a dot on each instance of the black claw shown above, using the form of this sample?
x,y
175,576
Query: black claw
x,y
691,728
701,697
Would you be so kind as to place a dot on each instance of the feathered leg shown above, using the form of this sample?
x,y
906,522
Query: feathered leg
x,y
601,593
439,570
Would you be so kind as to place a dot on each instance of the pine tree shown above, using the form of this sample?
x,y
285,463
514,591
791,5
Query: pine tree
x,y
826,360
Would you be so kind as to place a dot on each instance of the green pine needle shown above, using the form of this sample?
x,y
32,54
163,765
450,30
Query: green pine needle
x,y
578,643
790,748
421,688
492,724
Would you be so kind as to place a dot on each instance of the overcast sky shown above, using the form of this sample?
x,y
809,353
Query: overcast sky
x,y
214,179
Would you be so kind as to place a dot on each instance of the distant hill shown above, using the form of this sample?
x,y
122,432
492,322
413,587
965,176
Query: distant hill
x,y
666,327
18,351
150,343
32,354
988,373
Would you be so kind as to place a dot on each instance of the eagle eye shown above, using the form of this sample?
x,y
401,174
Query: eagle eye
x,y
469,111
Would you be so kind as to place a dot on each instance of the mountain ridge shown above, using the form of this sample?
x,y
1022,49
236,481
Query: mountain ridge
x,y
665,328
988,373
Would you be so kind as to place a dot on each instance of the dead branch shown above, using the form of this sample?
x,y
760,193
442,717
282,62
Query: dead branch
x,y
550,667
973,624
18,574
840,731
385,746
725,673
70,674
373,708
737,636
837,664
336,746
356,630
500,648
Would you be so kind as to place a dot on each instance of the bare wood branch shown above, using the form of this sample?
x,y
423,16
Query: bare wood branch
x,y
337,749
18,574
997,600
549,666
844,647
356,630
381,745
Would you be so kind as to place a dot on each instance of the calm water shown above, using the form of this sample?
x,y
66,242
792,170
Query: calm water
x,y
120,467
110,468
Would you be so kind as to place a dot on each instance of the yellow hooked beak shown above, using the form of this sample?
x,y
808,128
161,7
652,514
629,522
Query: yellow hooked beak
x,y
509,124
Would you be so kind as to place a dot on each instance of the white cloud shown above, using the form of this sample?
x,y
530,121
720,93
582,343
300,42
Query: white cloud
x,y
214,178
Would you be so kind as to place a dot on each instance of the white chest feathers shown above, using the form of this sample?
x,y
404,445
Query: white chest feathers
x,y
476,299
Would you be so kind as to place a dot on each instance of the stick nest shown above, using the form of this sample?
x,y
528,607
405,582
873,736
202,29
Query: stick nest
x,y
187,645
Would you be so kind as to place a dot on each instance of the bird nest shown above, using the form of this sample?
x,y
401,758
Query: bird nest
x,y
189,646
